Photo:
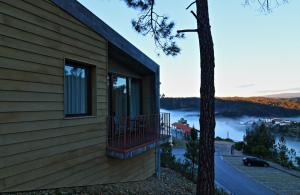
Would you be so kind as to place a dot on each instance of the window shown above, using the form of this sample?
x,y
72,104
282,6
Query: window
x,y
119,96
77,89
125,95
135,97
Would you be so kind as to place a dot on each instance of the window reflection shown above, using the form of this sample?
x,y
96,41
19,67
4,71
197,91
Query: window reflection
x,y
125,96
76,90
119,96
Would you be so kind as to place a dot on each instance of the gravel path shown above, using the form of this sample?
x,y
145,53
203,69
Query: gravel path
x,y
170,182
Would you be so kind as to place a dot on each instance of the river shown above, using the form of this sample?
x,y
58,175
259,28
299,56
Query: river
x,y
229,127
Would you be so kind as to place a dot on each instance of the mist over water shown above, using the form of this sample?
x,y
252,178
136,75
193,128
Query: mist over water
x,y
229,127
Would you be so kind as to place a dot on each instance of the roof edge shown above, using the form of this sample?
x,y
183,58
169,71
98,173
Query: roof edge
x,y
82,14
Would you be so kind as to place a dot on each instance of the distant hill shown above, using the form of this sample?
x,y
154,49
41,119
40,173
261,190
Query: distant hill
x,y
284,95
240,106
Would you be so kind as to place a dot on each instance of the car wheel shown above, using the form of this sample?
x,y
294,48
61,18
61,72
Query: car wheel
x,y
266,165
249,164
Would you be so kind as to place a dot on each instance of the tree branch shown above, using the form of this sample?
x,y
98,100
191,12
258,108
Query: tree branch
x,y
159,26
265,5
190,5
187,30
194,14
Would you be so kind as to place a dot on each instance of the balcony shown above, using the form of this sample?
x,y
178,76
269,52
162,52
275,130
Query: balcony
x,y
128,137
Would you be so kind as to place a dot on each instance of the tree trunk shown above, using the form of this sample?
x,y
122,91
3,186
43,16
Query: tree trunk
x,y
206,173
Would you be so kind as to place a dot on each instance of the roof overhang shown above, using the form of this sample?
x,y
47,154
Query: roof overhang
x,y
85,16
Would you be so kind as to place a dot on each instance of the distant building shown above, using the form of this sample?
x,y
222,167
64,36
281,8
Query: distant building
x,y
181,130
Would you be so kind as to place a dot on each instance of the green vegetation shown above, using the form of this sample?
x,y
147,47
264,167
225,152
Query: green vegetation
x,y
288,103
187,167
283,155
192,151
237,106
179,143
260,142
291,130
239,145
167,158
223,139
298,161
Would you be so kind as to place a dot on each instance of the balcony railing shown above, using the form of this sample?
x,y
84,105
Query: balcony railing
x,y
129,136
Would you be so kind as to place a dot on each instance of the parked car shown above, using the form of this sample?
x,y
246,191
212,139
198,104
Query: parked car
x,y
253,161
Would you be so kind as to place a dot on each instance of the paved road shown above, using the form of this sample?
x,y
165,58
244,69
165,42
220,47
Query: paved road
x,y
236,181
230,178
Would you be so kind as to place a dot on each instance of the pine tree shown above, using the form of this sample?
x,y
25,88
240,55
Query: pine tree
x,y
192,150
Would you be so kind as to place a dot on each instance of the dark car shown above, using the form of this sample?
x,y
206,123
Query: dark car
x,y
253,161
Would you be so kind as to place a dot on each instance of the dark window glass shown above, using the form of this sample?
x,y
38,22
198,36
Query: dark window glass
x,y
135,97
125,96
119,96
76,89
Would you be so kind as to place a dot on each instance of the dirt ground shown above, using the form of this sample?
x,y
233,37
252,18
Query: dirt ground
x,y
169,182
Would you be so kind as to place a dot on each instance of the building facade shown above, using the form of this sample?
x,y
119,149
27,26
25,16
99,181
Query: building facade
x,y
79,104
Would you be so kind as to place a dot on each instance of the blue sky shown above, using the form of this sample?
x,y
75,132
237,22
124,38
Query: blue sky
x,y
256,53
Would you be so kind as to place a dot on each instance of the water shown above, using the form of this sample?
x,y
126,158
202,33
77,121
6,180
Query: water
x,y
229,127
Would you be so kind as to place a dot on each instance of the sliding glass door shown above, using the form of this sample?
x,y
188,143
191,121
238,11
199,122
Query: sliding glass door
x,y
135,97
119,96
125,96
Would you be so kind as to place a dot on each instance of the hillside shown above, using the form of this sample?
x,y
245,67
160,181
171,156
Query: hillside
x,y
240,106
284,95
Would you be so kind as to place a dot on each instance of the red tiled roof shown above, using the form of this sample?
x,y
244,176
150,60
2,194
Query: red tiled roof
x,y
183,127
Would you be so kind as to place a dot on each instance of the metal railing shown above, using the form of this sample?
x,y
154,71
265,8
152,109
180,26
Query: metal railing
x,y
124,133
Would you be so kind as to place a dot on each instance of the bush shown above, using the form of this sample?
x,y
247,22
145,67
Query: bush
x,y
298,161
239,146
259,141
220,191
192,151
283,155
260,151
167,159
223,139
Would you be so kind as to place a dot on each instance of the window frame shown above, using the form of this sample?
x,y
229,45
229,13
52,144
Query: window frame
x,y
88,68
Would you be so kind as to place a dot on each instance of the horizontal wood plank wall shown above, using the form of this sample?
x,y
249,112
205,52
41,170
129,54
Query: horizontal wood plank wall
x,y
39,148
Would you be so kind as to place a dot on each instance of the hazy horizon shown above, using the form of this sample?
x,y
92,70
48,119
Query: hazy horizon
x,y
256,54
275,95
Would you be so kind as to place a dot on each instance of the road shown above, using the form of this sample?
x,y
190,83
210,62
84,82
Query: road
x,y
235,181
230,178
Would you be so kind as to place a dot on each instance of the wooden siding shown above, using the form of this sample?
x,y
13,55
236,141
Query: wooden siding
x,y
39,148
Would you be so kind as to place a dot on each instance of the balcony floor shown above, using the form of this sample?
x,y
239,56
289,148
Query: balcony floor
x,y
130,147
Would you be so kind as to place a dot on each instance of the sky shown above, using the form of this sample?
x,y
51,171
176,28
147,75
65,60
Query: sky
x,y
256,53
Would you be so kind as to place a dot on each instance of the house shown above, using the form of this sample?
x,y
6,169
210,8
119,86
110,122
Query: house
x,y
79,104
181,130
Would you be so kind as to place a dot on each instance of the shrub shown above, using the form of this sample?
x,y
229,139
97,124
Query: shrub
x,y
239,146
298,161
223,139
192,151
283,155
259,141
260,151
167,159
